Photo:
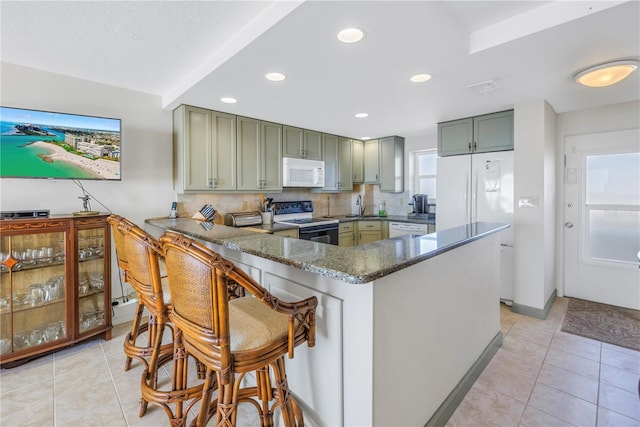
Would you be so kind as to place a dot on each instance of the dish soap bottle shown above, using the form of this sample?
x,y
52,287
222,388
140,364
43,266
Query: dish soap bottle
x,y
382,210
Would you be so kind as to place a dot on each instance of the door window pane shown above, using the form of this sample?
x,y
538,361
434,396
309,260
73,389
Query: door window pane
x,y
614,235
613,179
612,194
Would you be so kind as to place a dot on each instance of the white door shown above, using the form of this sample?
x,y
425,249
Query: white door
x,y
602,218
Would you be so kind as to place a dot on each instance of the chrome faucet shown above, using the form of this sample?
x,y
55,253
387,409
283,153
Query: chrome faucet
x,y
360,205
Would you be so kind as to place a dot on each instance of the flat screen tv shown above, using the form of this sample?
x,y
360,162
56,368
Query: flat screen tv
x,y
45,144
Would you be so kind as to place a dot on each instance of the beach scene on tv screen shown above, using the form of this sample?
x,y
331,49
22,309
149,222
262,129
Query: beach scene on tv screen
x,y
40,144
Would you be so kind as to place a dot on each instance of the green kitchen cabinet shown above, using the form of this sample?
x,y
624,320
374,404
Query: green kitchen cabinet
x,y
259,155
346,236
358,161
204,150
480,134
392,164
337,156
371,162
369,231
301,143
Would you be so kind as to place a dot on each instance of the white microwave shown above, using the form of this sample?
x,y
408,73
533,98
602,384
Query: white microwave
x,y
302,172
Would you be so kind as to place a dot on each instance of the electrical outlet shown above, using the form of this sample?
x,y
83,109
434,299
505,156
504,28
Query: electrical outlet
x,y
244,205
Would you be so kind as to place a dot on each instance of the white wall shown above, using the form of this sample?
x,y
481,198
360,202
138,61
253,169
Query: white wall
x,y
534,163
146,188
602,119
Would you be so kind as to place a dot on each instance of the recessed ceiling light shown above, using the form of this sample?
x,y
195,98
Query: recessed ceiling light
x,y
276,77
350,35
229,100
361,115
606,74
419,78
365,138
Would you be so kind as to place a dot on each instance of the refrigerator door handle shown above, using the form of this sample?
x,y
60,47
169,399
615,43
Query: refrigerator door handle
x,y
474,211
467,208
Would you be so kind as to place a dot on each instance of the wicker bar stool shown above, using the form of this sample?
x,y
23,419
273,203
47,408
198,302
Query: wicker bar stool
x,y
138,256
234,337
120,228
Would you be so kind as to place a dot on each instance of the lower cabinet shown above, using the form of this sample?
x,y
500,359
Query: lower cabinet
x,y
55,285
346,236
293,233
369,231
316,370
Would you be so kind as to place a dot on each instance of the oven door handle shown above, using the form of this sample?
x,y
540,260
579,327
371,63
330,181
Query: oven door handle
x,y
315,229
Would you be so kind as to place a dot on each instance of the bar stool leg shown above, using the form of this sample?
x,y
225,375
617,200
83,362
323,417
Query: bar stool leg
x,y
133,335
284,394
264,394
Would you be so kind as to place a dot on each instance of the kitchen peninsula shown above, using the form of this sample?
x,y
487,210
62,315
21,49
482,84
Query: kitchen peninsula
x,y
403,325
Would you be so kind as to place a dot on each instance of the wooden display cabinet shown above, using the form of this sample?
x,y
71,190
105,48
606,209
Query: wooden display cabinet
x,y
55,285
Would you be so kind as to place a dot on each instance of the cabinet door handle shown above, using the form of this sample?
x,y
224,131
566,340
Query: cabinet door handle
x,y
469,147
475,146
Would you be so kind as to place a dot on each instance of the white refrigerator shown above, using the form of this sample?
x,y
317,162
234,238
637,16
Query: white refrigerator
x,y
479,187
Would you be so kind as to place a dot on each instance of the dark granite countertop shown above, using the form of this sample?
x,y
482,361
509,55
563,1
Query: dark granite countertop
x,y
356,265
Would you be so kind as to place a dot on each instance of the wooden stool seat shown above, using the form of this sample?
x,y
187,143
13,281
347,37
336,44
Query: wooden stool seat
x,y
233,337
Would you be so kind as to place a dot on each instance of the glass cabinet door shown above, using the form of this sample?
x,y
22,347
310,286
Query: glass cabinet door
x,y
91,279
33,277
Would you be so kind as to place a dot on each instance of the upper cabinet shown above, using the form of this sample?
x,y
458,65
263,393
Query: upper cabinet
x,y
358,161
337,156
259,146
219,152
301,143
392,164
480,134
204,150
371,162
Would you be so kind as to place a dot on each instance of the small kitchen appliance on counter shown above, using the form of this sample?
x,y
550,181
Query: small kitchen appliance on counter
x,y
421,207
243,219
323,230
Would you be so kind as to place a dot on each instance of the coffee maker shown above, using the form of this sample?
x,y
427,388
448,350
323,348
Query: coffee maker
x,y
420,203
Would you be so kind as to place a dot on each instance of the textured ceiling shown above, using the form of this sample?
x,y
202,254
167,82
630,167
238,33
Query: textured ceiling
x,y
197,52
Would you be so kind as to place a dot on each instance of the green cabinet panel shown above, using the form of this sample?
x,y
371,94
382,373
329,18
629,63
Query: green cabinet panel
x,y
259,155
480,134
392,164
455,137
204,150
493,132
371,162
358,161
301,143
337,156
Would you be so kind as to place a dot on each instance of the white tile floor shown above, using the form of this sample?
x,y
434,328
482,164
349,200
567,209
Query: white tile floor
x,y
540,377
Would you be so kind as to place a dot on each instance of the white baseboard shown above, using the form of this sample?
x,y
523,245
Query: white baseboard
x,y
125,312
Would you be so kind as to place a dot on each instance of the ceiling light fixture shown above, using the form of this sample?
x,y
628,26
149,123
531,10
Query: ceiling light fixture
x,y
606,74
350,35
276,77
362,115
229,100
365,138
420,78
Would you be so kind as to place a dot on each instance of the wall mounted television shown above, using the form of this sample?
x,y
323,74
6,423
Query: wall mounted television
x,y
45,144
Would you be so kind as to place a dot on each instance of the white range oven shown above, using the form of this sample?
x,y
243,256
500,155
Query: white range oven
x,y
322,230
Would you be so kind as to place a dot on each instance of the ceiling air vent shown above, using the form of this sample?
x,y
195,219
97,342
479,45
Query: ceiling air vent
x,y
484,88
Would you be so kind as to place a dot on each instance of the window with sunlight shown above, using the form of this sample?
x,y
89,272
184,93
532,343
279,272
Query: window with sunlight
x,y
425,173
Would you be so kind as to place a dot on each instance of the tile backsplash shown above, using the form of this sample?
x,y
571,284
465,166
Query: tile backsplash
x,y
324,203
